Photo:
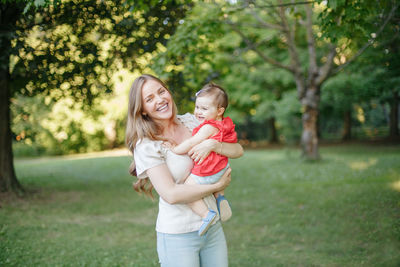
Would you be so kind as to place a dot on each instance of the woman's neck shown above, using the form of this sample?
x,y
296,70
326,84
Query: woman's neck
x,y
176,132
169,129
164,124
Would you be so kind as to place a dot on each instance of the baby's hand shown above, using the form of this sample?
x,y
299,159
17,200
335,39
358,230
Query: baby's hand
x,y
167,144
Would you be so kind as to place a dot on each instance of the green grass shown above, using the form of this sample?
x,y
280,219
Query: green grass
x,y
342,211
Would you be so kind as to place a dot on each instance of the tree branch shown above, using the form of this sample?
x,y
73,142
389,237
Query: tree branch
x,y
264,23
312,58
324,71
253,47
294,56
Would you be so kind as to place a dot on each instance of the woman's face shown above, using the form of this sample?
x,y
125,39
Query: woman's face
x,y
157,101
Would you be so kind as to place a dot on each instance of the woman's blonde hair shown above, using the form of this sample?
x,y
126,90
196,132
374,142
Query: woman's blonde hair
x,y
139,126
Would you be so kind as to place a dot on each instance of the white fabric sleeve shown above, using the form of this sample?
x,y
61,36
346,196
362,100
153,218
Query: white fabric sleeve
x,y
147,154
189,120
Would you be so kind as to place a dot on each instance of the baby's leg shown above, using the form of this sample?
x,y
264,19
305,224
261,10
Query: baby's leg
x,y
199,206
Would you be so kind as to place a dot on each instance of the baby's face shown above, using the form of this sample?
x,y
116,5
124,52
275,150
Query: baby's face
x,y
205,109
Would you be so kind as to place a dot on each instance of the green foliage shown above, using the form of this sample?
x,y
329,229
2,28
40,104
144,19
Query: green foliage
x,y
223,42
288,116
146,5
205,48
355,18
343,90
23,150
380,66
190,49
31,4
24,124
365,88
71,52
342,211
30,137
227,45
64,127
75,48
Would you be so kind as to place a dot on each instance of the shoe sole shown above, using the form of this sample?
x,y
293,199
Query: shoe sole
x,y
208,226
225,212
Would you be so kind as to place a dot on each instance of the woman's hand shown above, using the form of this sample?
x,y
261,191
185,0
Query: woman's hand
x,y
225,179
200,151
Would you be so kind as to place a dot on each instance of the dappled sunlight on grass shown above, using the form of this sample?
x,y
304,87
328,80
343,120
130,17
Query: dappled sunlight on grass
x,y
362,165
395,185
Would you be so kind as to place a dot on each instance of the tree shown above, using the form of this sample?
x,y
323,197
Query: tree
x,y
288,36
9,14
71,49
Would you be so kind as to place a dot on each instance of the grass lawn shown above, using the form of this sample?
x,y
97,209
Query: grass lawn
x,y
342,211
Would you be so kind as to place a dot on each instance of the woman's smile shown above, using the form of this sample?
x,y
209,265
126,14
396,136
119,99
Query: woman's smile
x,y
163,108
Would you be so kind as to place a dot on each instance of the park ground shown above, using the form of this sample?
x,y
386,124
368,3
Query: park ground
x,y
341,211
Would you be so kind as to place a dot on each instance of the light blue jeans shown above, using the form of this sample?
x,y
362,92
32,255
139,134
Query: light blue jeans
x,y
211,179
192,250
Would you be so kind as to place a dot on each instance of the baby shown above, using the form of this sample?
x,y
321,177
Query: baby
x,y
211,103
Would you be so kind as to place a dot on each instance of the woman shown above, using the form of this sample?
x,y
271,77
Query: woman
x,y
152,119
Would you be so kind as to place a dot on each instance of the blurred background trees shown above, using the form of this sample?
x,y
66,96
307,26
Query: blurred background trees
x,y
301,41
295,71
72,57
66,55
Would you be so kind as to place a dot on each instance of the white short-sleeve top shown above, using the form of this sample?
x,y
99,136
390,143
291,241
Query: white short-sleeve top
x,y
177,218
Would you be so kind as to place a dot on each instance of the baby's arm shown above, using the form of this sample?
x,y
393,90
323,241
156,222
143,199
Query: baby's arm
x,y
231,150
204,133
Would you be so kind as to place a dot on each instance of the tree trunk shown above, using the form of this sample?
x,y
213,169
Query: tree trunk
x,y
9,13
273,137
346,135
8,180
319,133
394,117
309,137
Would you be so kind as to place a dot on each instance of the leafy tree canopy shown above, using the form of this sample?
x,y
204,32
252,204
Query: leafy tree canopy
x,y
73,48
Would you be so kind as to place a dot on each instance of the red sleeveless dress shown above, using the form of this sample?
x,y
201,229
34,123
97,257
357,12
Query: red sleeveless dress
x,y
216,162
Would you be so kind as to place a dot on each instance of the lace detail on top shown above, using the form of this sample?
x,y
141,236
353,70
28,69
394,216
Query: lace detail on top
x,y
189,120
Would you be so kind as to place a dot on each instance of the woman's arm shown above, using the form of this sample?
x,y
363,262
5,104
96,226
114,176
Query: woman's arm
x,y
173,193
231,150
